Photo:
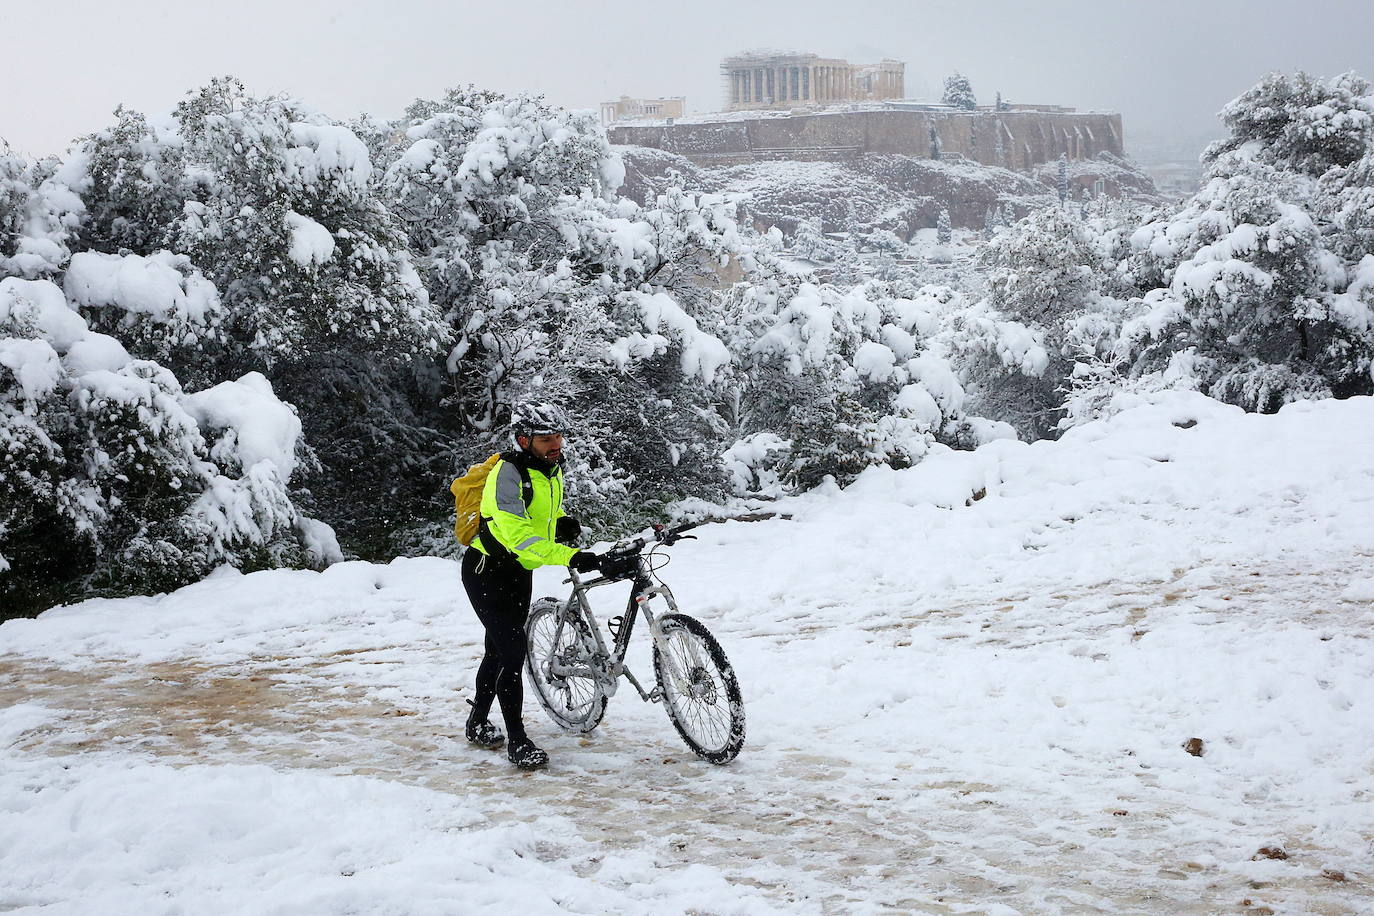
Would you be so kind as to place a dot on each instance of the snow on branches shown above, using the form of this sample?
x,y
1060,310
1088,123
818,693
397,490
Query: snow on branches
x,y
110,472
175,280
837,379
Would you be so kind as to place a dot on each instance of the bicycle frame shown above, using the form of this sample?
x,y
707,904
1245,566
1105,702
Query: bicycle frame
x,y
608,666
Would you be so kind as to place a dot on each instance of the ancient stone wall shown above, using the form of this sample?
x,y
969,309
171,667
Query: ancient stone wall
x,y
1018,140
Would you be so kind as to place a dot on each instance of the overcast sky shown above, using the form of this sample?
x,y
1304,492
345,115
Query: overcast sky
x,y
1166,65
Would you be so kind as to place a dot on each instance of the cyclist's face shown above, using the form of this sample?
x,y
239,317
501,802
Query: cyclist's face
x,y
547,448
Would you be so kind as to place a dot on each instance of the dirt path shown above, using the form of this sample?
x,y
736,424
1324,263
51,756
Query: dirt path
x,y
816,832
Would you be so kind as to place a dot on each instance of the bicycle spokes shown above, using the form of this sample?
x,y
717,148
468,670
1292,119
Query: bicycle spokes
x,y
699,688
575,672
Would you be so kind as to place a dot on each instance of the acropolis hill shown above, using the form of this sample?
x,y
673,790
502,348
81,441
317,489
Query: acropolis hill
x,y
805,107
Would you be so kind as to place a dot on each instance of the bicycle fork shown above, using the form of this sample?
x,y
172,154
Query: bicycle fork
x,y
669,661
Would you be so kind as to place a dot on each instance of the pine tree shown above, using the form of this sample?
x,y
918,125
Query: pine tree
x,y
944,232
809,242
1042,275
1300,123
959,93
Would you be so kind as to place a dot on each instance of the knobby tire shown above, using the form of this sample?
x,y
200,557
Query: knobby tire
x,y
574,703
709,715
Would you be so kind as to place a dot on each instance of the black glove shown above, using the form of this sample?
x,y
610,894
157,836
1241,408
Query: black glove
x,y
584,561
567,530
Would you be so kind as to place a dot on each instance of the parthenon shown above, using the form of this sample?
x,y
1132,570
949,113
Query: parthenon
x,y
763,80
805,107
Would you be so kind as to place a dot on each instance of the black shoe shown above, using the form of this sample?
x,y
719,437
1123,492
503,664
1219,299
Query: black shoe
x,y
525,755
484,734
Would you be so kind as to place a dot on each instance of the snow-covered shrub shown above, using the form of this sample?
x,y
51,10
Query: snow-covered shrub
x,y
752,463
160,306
1004,366
245,234
114,479
277,209
848,378
1043,273
1248,282
1255,290
265,204
884,241
39,212
1042,269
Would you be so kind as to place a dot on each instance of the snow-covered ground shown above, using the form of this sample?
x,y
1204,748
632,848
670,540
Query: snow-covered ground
x,y
968,687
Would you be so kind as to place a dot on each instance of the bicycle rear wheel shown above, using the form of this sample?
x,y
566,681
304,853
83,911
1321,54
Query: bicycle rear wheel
x,y
700,690
574,702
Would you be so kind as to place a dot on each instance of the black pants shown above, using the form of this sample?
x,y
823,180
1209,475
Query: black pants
x,y
499,589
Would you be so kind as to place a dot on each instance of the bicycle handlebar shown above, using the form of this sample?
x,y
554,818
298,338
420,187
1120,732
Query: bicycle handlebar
x,y
662,535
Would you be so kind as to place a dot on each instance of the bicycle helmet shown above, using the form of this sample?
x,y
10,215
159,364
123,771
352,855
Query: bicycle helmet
x,y
538,419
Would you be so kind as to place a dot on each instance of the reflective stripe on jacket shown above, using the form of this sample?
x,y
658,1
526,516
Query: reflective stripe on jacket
x,y
526,532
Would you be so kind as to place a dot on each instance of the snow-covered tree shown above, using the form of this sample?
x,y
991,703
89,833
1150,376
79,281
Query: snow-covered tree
x,y
279,212
39,212
113,478
959,92
260,242
1300,123
1249,286
1256,289
944,232
1041,273
1042,269
835,380
559,289
884,241
809,242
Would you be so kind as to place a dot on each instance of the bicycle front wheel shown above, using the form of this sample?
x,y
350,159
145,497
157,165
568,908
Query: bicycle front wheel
x,y
700,690
558,660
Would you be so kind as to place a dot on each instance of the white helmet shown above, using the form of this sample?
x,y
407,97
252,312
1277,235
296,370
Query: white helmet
x,y
538,419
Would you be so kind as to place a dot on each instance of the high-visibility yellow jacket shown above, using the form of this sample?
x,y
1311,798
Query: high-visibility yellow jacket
x,y
525,527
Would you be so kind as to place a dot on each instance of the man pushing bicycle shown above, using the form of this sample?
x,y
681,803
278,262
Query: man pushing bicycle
x,y
522,527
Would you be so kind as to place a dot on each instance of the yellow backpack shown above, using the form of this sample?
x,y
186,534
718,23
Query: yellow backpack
x,y
467,498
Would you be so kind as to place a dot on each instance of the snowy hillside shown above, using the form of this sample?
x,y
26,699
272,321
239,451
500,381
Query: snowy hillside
x,y
968,685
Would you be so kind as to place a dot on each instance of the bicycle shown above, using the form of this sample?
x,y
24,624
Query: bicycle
x,y
575,673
